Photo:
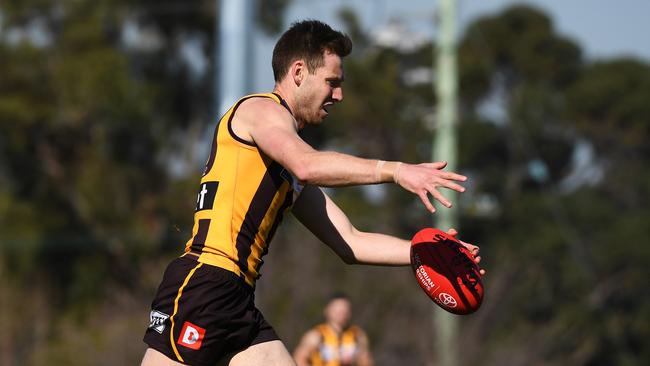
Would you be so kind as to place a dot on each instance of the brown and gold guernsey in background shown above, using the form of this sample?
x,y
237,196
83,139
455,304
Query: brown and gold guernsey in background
x,y
334,347
241,200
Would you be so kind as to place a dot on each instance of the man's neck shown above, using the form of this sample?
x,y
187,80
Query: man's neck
x,y
336,328
287,97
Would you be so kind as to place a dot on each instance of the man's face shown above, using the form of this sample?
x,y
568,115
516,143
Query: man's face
x,y
338,312
320,90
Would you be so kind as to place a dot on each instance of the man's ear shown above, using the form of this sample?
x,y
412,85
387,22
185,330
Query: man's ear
x,y
298,71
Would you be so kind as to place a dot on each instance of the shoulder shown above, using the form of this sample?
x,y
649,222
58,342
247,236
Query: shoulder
x,y
257,115
358,331
263,109
312,337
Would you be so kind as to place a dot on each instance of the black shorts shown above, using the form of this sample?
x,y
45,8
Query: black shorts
x,y
202,313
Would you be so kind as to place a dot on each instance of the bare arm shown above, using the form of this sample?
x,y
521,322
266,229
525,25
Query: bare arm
x,y
365,357
272,128
318,213
308,344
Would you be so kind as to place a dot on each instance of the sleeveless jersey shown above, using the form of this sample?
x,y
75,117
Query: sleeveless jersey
x,y
333,347
241,200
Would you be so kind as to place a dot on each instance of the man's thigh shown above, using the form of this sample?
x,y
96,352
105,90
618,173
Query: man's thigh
x,y
266,353
155,358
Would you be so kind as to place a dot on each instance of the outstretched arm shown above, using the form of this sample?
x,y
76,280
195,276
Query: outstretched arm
x,y
318,213
272,128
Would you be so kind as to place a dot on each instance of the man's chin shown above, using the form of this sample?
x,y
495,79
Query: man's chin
x,y
317,120
322,115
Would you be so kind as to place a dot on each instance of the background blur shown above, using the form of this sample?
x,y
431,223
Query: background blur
x,y
106,108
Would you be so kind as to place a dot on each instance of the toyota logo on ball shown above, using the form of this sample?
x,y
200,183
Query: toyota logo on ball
x,y
447,300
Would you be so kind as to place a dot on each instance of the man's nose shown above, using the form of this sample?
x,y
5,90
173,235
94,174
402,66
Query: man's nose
x,y
337,94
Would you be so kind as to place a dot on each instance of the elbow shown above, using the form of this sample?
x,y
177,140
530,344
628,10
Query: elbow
x,y
349,250
303,172
306,167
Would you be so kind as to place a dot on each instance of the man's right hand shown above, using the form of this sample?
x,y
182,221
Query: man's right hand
x,y
426,178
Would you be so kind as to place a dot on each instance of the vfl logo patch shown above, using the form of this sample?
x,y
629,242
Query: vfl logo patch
x,y
205,198
157,320
191,336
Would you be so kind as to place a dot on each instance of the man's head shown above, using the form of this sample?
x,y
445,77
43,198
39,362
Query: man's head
x,y
308,40
338,311
308,69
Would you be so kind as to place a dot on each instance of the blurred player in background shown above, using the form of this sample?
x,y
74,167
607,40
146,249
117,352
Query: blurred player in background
x,y
336,342
259,169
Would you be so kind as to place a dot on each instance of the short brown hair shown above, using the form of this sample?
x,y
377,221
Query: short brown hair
x,y
307,40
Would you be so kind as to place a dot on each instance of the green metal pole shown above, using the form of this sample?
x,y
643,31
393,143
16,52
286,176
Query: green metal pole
x,y
445,148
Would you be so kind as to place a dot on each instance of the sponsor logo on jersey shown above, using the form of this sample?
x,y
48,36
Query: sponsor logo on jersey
x,y
157,320
191,336
207,193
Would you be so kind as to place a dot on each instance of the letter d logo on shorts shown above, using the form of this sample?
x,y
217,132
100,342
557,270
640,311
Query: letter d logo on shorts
x,y
191,336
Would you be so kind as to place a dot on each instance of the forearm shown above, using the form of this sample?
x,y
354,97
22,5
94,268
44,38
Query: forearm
x,y
330,169
378,249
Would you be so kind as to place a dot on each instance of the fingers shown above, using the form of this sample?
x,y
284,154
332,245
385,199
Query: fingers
x,y
437,196
425,199
474,249
451,185
446,175
427,181
452,176
437,164
440,198
477,258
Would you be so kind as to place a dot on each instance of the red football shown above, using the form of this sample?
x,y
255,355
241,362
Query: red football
x,y
446,271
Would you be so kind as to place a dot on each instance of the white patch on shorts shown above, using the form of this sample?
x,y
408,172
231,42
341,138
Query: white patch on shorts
x,y
157,320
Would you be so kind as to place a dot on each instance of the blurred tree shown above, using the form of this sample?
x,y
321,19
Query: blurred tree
x,y
531,104
101,113
270,15
78,161
78,152
94,99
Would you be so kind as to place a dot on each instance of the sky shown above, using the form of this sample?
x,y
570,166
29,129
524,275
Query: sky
x,y
602,28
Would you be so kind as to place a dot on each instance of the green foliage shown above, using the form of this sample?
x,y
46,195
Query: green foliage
x,y
573,258
609,105
78,150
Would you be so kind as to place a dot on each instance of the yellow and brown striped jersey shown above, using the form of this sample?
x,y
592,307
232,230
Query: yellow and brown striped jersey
x,y
334,347
241,200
